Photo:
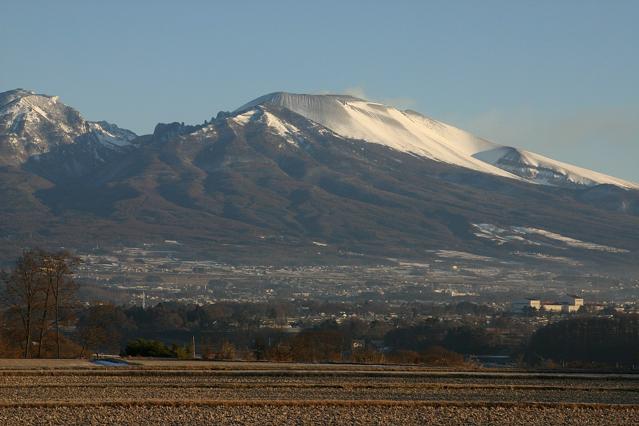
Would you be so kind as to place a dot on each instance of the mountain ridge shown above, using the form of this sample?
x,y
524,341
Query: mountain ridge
x,y
263,184
346,115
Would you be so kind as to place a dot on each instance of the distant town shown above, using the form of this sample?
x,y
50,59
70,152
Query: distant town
x,y
157,273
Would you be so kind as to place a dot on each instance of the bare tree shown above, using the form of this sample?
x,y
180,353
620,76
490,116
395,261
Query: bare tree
x,y
22,293
45,288
58,271
40,291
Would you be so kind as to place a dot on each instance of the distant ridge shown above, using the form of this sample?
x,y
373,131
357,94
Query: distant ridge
x,y
302,179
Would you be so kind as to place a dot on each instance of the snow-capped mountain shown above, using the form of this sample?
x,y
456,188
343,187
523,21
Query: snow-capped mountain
x,y
411,132
302,178
33,124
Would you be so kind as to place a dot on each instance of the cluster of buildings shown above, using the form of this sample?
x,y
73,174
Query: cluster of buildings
x,y
569,304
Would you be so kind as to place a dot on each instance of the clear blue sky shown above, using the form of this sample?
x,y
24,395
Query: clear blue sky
x,y
557,77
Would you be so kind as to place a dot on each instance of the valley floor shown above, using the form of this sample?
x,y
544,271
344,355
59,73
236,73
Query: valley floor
x,y
191,392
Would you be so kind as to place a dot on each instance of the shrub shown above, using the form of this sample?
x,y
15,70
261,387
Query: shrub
x,y
151,348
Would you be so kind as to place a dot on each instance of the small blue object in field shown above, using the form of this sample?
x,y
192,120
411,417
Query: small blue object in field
x,y
110,363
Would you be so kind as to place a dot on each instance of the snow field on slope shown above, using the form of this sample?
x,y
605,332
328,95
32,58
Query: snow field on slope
x,y
411,132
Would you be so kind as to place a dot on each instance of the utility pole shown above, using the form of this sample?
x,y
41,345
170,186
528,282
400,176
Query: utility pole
x,y
193,345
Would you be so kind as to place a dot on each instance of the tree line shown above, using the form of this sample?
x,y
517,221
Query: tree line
x,y
611,341
42,317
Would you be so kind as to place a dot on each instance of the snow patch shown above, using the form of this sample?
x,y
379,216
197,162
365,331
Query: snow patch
x,y
545,257
500,235
206,131
453,254
546,171
286,130
572,242
111,135
279,127
530,236
40,111
245,118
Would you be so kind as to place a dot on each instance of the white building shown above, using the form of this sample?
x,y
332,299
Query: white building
x,y
572,303
568,304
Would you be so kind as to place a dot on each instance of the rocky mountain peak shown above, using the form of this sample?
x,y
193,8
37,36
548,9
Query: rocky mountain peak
x,y
33,124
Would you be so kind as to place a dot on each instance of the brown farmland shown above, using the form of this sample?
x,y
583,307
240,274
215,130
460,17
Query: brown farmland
x,y
166,392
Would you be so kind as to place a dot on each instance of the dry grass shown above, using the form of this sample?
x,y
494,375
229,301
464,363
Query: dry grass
x,y
346,386
316,414
27,364
312,403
